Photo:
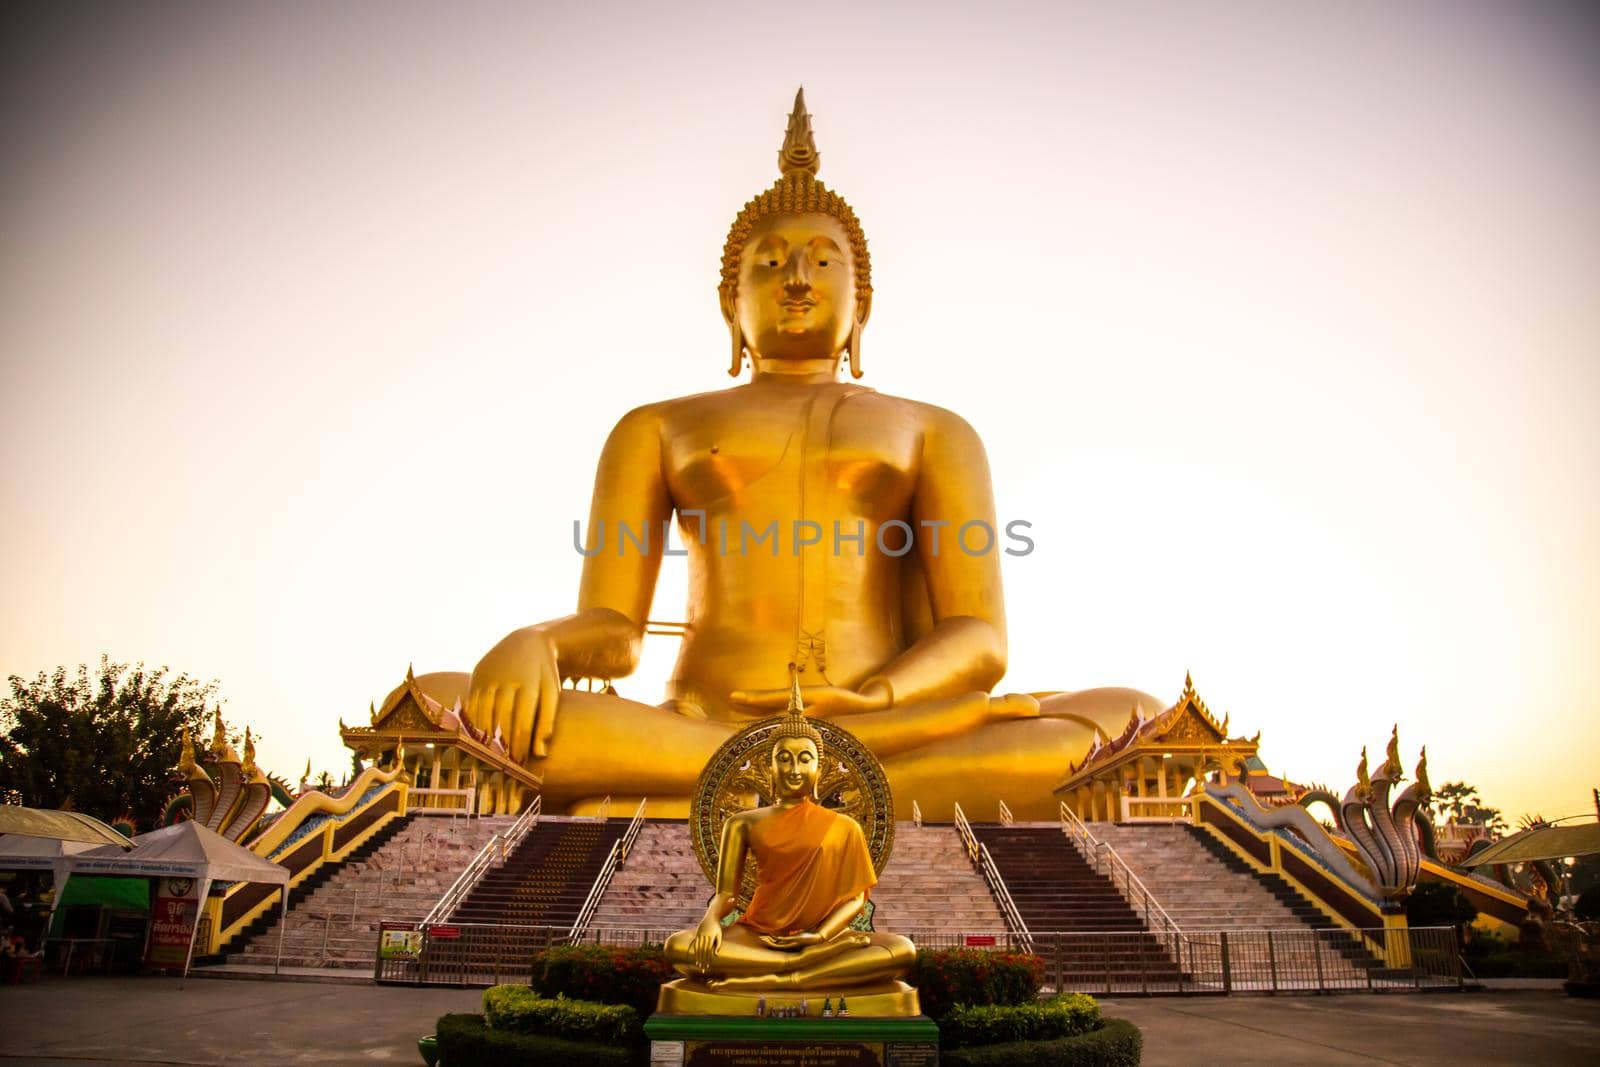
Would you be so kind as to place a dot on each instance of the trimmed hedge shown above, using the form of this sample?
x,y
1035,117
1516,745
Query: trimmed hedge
x,y
630,976
1117,1043
1067,1015
518,1009
949,977
467,1040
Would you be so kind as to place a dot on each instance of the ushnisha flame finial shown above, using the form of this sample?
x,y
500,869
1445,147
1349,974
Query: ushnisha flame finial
x,y
794,723
799,152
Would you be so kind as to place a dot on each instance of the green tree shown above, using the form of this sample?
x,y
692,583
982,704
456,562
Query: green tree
x,y
1462,801
104,745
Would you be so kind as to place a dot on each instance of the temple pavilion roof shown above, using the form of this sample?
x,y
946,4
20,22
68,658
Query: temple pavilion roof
x,y
416,714
1186,728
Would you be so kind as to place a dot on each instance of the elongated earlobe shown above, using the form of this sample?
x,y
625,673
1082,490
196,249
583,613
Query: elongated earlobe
x,y
737,364
855,348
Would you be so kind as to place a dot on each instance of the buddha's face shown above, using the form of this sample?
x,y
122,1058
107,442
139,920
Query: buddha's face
x,y
797,288
794,768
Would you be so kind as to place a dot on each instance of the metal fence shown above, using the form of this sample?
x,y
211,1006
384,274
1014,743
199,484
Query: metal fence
x,y
1251,961
1126,962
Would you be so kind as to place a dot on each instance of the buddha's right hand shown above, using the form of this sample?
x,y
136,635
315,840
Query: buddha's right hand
x,y
515,689
706,944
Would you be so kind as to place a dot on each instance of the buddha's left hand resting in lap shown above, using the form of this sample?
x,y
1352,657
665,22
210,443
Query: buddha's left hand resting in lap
x,y
813,876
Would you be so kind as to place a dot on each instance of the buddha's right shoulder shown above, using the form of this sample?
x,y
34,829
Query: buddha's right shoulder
x,y
663,414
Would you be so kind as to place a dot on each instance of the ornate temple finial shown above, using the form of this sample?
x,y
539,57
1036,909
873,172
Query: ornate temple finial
x,y
220,749
372,712
411,675
249,751
186,764
799,151
1392,766
1188,687
1225,716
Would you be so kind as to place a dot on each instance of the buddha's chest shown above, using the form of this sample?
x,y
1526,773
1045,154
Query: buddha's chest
x,y
855,456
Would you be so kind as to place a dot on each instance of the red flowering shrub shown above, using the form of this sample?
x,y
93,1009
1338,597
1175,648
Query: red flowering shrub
x,y
950,977
631,976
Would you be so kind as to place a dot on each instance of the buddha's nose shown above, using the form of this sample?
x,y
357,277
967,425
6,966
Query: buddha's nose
x,y
799,274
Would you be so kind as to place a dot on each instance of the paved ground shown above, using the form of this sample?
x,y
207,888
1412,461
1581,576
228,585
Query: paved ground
x,y
210,1021
1549,1029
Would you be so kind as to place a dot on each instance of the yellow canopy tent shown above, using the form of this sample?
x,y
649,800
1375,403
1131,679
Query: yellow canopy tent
x,y
59,825
1541,843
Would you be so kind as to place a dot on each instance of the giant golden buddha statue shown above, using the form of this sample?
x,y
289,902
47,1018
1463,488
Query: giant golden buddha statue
x,y
826,524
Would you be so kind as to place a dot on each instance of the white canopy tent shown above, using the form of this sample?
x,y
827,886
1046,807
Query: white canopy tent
x,y
21,853
186,850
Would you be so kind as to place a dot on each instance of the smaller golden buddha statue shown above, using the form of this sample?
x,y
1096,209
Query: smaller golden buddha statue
x,y
813,873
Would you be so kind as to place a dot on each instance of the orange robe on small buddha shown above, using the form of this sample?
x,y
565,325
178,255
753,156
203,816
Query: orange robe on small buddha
x,y
811,861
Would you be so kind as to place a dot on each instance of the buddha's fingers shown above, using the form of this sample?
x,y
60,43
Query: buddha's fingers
x,y
505,698
544,720
520,737
480,709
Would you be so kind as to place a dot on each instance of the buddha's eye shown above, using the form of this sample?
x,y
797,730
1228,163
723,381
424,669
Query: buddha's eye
x,y
772,263
822,263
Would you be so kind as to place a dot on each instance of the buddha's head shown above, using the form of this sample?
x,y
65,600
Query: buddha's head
x,y
796,756
796,277
795,763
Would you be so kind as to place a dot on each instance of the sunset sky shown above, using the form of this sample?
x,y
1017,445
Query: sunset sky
x,y
1279,322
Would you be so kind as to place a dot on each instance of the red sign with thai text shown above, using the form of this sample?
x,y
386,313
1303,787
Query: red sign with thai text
x,y
172,918
980,941
444,933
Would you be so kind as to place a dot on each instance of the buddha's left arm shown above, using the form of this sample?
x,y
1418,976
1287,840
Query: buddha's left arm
x,y
953,506
841,917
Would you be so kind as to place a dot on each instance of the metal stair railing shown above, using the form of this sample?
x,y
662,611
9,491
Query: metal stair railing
x,y
916,814
498,848
1112,867
616,858
979,854
1006,818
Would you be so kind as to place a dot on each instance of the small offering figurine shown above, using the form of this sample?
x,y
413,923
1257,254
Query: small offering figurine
x,y
844,1009
761,1008
827,1007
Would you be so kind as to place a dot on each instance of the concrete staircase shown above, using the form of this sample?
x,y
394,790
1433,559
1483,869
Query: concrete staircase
x,y
527,902
1205,887
546,880
335,924
659,890
930,891
1057,892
